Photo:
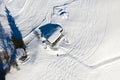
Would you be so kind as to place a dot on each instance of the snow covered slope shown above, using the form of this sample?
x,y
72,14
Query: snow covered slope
x,y
91,28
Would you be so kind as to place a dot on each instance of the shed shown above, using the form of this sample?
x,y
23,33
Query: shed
x,y
51,32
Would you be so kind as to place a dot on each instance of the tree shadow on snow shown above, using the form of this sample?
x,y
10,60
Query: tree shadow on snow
x,y
16,34
15,31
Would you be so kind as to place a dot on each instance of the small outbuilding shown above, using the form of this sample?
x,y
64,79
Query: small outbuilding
x,y
52,33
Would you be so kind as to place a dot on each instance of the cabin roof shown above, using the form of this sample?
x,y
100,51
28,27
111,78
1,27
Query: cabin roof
x,y
49,29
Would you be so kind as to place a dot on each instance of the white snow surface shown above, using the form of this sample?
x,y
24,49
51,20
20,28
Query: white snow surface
x,y
91,27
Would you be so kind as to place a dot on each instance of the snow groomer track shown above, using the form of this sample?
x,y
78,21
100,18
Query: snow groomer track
x,y
89,26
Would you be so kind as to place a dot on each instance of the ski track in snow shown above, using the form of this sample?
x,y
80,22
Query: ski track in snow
x,y
84,36
60,66
74,54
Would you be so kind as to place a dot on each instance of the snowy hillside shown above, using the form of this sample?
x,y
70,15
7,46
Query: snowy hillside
x,y
89,49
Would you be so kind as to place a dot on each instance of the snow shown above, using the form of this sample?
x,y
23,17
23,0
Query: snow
x,y
90,48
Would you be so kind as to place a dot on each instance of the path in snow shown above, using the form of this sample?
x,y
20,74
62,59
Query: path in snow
x,y
85,23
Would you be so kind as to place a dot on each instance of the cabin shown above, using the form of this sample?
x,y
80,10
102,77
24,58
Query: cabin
x,y
52,33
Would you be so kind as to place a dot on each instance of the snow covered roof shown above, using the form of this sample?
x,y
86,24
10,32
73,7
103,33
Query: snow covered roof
x,y
51,31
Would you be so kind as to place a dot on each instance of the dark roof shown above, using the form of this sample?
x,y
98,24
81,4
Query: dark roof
x,y
49,29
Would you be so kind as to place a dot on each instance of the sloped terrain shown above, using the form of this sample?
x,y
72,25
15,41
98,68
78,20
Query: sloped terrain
x,y
91,28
